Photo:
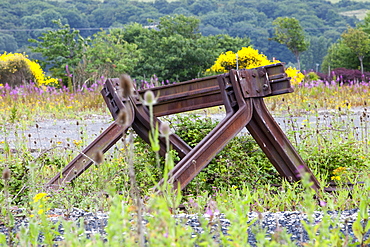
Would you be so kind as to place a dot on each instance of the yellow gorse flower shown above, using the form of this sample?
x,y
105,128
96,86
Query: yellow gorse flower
x,y
296,75
77,142
6,60
249,58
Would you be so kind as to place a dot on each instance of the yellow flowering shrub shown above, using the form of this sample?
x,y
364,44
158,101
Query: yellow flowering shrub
x,y
248,58
16,68
295,74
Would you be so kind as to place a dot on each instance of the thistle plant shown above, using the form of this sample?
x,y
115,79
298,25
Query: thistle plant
x,y
5,211
150,100
126,88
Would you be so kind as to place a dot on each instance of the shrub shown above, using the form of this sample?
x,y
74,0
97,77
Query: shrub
x,y
16,69
343,75
240,162
295,75
249,58
311,76
331,156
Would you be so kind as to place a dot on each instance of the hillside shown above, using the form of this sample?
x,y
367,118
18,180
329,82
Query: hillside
x,y
323,21
359,13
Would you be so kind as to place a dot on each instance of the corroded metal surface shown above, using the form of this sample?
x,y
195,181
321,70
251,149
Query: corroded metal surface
x,y
240,92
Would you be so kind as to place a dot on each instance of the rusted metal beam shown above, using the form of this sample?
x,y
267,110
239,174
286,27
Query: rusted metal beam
x,y
141,123
245,108
238,114
276,145
241,92
186,96
84,159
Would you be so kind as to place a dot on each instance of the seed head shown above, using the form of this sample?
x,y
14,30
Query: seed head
x,y
126,85
124,117
165,129
99,157
6,173
149,98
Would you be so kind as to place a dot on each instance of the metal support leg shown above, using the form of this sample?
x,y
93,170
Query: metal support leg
x,y
276,145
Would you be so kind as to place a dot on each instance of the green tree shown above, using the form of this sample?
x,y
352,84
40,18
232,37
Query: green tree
x,y
60,48
289,32
175,50
7,43
339,56
313,57
358,42
188,27
109,55
365,24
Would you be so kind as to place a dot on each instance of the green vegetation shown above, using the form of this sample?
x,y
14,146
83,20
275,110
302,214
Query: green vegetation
x,y
289,32
174,51
327,121
60,49
351,51
237,181
322,21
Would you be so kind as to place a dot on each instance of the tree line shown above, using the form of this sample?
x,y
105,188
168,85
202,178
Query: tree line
x,y
250,22
173,50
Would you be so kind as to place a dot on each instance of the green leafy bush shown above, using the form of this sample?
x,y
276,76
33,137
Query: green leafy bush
x,y
240,162
311,76
327,158
19,176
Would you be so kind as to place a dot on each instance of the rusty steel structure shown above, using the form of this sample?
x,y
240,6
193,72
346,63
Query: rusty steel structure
x,y
241,92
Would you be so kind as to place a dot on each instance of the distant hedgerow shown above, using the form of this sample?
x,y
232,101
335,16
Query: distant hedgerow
x,y
343,75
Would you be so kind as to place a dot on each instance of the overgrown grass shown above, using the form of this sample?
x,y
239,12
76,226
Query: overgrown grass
x,y
26,103
331,138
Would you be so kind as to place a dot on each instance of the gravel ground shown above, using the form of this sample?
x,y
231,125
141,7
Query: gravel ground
x,y
44,134
289,220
